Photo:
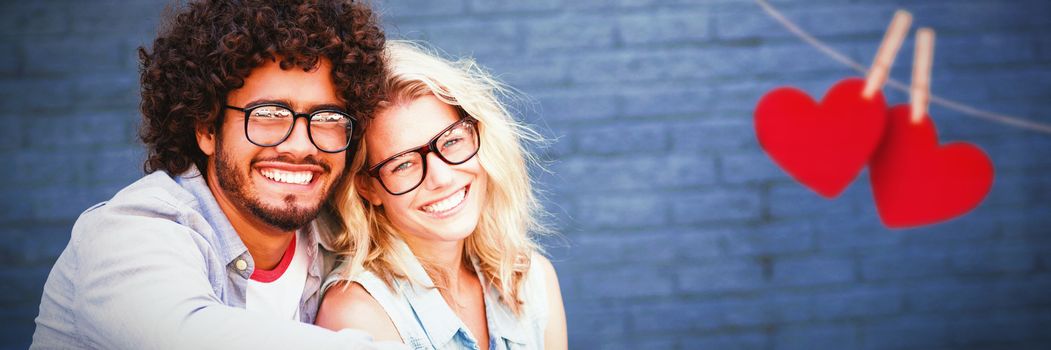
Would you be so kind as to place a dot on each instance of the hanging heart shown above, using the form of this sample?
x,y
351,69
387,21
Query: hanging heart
x,y
917,182
823,146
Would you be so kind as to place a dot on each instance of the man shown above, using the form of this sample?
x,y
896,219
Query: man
x,y
249,109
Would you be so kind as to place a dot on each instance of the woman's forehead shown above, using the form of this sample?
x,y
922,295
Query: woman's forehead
x,y
407,125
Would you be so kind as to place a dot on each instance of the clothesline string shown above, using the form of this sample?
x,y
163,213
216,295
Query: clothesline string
x,y
944,102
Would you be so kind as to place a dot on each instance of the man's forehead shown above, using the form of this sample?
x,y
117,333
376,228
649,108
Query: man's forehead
x,y
295,87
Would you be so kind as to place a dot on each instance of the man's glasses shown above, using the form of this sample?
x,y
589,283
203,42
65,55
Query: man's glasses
x,y
268,125
405,171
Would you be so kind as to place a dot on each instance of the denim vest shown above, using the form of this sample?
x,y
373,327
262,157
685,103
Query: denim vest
x,y
425,321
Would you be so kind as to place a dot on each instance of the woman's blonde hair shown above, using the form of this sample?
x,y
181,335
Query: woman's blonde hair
x,y
503,242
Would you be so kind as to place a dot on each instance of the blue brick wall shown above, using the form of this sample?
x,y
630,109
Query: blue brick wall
x,y
676,231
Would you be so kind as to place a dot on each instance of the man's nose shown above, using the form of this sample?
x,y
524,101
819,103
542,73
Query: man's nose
x,y
298,141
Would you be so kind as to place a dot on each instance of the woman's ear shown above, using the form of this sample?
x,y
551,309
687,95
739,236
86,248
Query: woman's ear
x,y
365,189
205,139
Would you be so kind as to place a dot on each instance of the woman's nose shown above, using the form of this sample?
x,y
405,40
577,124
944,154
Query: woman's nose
x,y
439,173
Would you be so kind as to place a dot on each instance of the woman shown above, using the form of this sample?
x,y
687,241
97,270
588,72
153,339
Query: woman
x,y
436,225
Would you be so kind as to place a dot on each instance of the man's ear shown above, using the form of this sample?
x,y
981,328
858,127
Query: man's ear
x,y
206,139
365,189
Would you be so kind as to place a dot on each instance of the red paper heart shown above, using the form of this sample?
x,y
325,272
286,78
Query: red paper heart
x,y
824,146
916,182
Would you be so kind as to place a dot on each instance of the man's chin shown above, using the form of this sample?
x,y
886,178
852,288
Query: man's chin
x,y
286,217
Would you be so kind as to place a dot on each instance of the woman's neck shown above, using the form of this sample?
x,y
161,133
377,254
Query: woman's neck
x,y
445,265
445,258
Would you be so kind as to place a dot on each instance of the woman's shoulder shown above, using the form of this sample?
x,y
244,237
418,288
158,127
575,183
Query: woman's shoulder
x,y
342,273
352,299
547,305
353,294
348,304
542,263
541,270
539,279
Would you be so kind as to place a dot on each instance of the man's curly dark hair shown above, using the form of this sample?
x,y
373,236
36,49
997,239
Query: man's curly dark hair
x,y
209,48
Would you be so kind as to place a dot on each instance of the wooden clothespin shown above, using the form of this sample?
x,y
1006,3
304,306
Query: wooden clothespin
x,y
888,49
920,91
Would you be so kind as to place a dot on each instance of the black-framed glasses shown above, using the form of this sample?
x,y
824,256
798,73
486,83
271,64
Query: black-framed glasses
x,y
403,172
269,124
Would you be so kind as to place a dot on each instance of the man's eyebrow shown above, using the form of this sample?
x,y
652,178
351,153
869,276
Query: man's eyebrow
x,y
264,101
295,107
319,107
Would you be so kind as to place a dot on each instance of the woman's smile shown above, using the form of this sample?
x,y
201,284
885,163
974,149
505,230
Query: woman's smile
x,y
447,206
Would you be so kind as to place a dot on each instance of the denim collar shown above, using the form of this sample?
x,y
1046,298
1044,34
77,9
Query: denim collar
x,y
231,247
439,321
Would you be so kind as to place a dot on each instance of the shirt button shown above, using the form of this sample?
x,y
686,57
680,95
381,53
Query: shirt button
x,y
241,264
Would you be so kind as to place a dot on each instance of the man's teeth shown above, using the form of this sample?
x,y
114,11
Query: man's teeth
x,y
291,177
447,203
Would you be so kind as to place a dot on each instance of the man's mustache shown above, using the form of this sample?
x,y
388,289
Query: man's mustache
x,y
310,160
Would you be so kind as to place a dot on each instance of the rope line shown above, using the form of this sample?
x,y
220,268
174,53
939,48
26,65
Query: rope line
x,y
941,101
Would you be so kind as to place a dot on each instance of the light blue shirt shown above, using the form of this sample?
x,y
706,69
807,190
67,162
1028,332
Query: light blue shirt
x,y
425,321
159,266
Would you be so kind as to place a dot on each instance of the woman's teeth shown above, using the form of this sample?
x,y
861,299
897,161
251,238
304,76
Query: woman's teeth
x,y
447,203
290,177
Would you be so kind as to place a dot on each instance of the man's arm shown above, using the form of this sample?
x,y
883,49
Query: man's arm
x,y
142,283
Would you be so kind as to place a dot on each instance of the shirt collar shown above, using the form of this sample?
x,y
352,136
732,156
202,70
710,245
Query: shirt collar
x,y
309,236
230,245
439,321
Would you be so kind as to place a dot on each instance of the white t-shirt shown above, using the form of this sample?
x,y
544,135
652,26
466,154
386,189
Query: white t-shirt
x,y
277,292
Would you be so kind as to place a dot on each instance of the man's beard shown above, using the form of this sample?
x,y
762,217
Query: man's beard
x,y
234,181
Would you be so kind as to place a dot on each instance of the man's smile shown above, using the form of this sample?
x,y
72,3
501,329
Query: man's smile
x,y
284,173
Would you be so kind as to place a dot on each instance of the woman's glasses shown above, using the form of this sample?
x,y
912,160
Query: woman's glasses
x,y
405,171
